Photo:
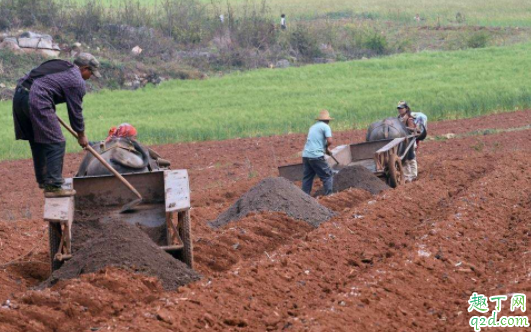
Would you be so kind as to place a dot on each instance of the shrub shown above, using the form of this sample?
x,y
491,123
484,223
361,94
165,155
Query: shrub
x,y
88,20
254,27
304,43
376,42
182,20
478,40
27,13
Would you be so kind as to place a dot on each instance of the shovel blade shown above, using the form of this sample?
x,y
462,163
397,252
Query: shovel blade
x,y
129,207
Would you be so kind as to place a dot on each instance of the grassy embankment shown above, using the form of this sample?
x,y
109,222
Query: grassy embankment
x,y
445,85
484,13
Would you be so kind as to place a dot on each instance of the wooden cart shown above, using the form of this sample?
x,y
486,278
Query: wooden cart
x,y
384,158
166,201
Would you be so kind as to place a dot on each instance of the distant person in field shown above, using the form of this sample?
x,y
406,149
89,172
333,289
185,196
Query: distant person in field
x,y
318,143
283,22
416,124
53,82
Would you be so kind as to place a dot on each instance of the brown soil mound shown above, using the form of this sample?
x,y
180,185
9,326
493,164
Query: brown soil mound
x,y
358,177
118,244
276,195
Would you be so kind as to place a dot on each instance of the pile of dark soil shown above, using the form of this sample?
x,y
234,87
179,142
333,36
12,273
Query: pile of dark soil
x,y
156,234
97,245
357,177
277,195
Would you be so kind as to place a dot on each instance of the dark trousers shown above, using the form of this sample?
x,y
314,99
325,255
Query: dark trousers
x,y
48,163
21,110
319,167
47,157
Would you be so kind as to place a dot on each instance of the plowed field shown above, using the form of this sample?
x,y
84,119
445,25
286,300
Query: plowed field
x,y
407,259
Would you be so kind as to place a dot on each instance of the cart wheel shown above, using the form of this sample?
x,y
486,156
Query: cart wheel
x,y
186,255
54,233
395,171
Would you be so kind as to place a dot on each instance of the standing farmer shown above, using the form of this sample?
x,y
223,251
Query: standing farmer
x,y
53,82
318,143
410,165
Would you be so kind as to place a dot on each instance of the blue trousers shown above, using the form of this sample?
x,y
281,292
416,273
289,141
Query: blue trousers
x,y
319,167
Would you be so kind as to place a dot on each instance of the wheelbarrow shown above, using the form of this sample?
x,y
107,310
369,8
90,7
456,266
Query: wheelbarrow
x,y
166,201
384,158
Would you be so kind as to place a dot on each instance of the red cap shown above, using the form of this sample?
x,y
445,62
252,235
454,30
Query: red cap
x,y
125,130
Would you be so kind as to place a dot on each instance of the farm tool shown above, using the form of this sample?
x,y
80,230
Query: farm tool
x,y
127,207
166,204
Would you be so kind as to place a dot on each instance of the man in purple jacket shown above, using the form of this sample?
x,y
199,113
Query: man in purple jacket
x,y
53,82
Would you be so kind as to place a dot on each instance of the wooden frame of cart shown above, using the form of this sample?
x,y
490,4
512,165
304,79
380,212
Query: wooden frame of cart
x,y
166,201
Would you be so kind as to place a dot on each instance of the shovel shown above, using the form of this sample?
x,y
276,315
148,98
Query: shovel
x,y
332,156
126,207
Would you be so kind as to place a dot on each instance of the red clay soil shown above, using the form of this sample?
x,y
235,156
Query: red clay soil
x,y
346,199
407,259
249,238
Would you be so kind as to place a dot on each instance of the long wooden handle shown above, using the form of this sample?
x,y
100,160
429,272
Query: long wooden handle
x,y
98,156
328,152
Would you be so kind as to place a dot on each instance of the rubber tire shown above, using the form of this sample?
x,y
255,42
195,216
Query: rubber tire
x,y
54,234
395,171
186,255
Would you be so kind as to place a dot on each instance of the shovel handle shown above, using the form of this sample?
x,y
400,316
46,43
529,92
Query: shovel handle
x,y
67,127
328,152
104,163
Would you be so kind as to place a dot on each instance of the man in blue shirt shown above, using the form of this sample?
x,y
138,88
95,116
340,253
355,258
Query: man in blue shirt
x,y
318,143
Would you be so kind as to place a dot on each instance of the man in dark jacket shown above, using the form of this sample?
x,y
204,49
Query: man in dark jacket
x,y
37,93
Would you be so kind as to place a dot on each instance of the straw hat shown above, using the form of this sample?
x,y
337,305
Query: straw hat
x,y
324,116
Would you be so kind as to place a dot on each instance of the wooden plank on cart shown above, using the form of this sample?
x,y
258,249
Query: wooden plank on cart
x,y
391,145
409,146
176,190
60,209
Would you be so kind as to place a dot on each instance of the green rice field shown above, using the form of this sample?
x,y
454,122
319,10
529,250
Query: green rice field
x,y
444,85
